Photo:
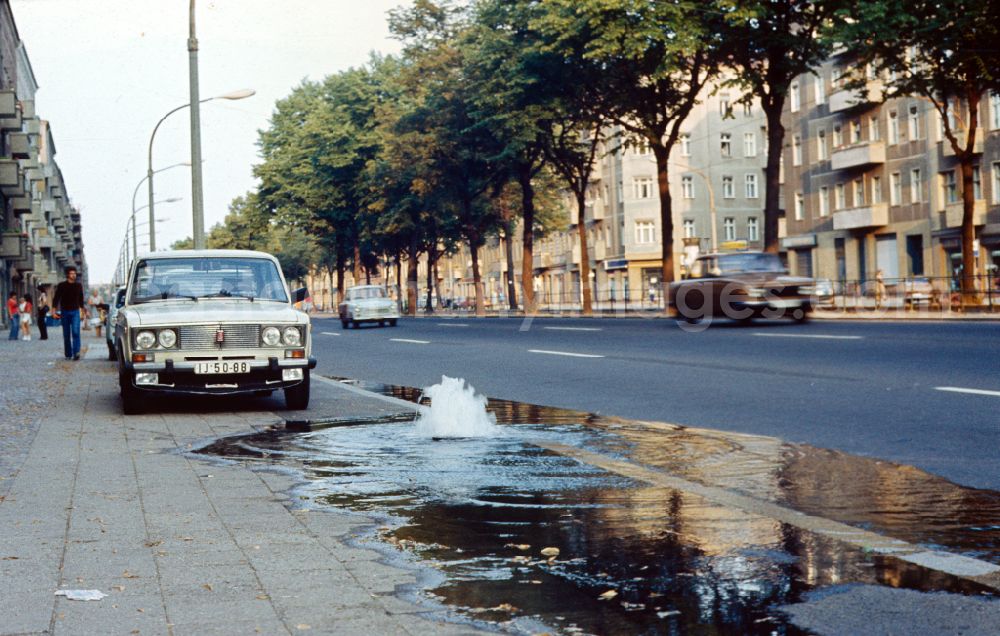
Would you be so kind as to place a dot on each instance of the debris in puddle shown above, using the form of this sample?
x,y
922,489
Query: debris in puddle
x,y
667,613
518,546
550,552
607,596
81,595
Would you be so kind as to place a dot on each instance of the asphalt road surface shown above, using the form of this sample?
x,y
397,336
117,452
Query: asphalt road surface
x,y
925,394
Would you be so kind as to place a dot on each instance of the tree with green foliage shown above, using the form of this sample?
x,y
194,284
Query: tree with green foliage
x,y
657,57
771,42
946,52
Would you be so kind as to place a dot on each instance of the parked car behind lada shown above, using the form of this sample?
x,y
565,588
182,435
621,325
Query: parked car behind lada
x,y
741,286
211,322
117,300
367,303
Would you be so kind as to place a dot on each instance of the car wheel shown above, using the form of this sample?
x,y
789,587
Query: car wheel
x,y
111,352
800,315
392,322
297,397
381,323
131,400
344,324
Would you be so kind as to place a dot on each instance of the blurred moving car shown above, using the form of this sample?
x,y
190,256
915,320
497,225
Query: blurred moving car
x,y
211,322
367,303
821,291
117,300
741,286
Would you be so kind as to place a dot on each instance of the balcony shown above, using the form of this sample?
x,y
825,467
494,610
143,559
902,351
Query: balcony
x,y
963,138
21,205
33,127
8,104
600,252
846,99
11,178
858,155
953,213
18,145
874,215
13,245
28,108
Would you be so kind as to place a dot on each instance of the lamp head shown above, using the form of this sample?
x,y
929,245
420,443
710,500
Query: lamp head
x,y
240,94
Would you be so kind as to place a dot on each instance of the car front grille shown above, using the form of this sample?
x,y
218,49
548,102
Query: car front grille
x,y
203,337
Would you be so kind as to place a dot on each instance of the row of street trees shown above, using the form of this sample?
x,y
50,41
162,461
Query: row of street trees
x,y
493,102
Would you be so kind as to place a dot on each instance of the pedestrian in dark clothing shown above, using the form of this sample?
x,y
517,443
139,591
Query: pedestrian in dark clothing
x,y
15,319
67,304
41,312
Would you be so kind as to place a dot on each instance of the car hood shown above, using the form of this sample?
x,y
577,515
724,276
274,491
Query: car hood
x,y
212,311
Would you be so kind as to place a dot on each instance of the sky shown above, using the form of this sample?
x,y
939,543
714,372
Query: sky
x,y
108,70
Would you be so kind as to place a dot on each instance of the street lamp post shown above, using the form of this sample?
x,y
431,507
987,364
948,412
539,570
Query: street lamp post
x,y
151,222
195,164
136,191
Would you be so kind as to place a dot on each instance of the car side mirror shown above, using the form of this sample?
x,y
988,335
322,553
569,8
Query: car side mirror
x,y
299,294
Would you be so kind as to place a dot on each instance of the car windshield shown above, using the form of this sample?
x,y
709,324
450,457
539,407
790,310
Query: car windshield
x,y
207,277
362,293
731,263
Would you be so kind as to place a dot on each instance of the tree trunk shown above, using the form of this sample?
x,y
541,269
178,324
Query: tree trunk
x,y
508,245
437,285
341,257
970,292
431,263
662,155
398,260
357,265
477,278
527,240
772,173
411,279
581,226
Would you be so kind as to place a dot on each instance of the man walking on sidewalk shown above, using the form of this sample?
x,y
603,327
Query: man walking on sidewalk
x,y
67,303
15,319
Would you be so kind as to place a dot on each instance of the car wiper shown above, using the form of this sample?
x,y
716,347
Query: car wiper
x,y
225,294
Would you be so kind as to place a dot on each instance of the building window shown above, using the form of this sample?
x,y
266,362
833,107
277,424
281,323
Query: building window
x,y
977,183
800,206
687,187
820,90
838,136
859,193
895,188
726,144
873,131
876,189
796,97
725,107
729,228
728,189
685,145
841,190
949,186
996,182
747,109
644,232
751,186
821,152
753,229
689,228
913,124
893,127
836,77
642,188
994,110
916,187
797,150
824,201
856,131
749,144
621,191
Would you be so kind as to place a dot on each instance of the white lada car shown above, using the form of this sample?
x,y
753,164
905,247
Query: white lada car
x,y
212,322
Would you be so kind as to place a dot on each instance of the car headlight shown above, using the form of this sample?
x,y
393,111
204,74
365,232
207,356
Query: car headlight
x,y
145,340
807,290
167,338
291,336
271,336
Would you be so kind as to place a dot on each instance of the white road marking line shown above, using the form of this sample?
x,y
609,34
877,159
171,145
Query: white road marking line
x,y
958,389
573,328
800,335
329,333
564,353
452,324
410,341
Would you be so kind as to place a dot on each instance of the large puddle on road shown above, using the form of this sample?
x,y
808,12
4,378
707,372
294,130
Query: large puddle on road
x,y
529,539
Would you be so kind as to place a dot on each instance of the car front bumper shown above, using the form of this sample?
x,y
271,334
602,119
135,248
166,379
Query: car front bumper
x,y
180,377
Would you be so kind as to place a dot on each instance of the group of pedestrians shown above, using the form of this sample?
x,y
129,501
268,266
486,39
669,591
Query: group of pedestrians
x,y
67,305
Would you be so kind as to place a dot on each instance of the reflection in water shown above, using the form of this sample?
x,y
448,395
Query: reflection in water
x,y
632,558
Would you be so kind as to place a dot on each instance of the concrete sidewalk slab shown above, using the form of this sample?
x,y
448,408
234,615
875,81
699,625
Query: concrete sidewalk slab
x,y
180,545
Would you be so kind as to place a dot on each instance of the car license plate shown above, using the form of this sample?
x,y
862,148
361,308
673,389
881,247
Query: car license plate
x,y
202,368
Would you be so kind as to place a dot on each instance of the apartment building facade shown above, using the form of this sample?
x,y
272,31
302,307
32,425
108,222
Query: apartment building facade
x,y
41,230
874,186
